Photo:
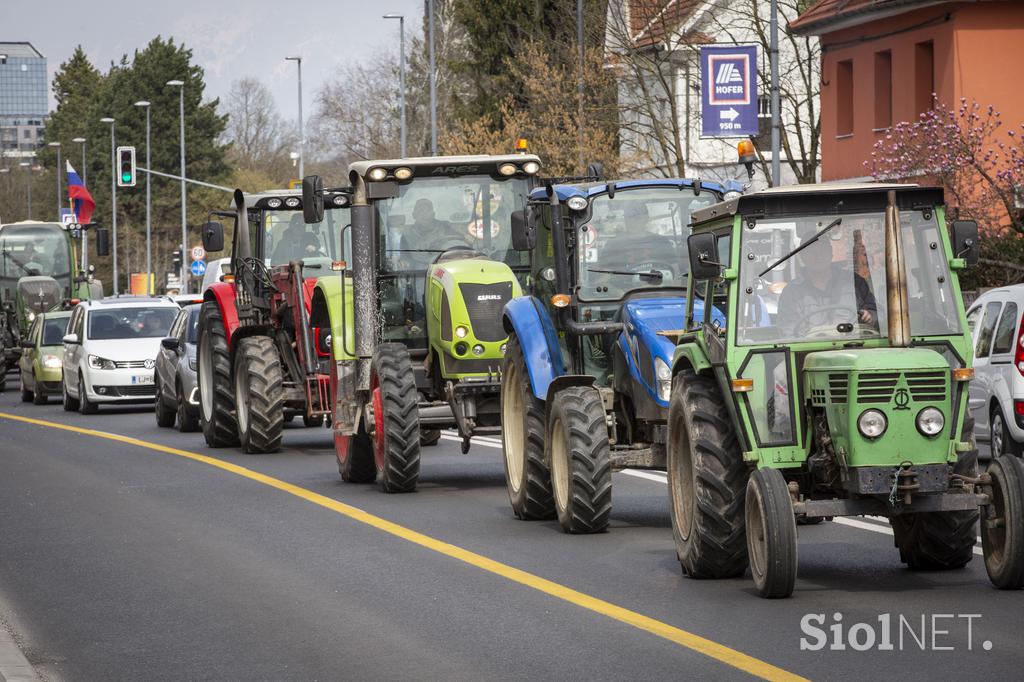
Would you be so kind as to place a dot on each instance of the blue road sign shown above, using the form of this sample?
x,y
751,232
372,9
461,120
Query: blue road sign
x,y
198,268
728,91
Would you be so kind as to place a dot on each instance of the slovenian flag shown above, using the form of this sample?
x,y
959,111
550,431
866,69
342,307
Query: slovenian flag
x,y
81,200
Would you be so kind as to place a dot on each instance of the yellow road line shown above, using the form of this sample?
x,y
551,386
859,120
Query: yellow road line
x,y
686,639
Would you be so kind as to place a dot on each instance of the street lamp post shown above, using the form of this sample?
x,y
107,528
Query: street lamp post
x,y
149,221
433,80
60,204
184,228
27,165
302,134
401,73
113,199
85,172
773,48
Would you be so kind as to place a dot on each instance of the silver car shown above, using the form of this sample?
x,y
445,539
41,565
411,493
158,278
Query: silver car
x,y
177,393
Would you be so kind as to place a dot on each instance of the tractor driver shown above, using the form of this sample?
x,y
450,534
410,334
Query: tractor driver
x,y
290,245
821,289
428,236
638,246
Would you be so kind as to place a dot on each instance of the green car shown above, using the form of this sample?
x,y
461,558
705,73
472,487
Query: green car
x,y
41,365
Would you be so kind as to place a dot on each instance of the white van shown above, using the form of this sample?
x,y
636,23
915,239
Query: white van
x,y
214,270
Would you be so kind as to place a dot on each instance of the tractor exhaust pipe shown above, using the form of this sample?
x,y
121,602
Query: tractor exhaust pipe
x,y
895,278
363,282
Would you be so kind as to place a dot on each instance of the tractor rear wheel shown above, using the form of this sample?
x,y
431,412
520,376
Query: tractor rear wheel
x,y
1002,526
216,391
259,395
938,541
527,475
396,436
707,481
165,414
579,457
771,534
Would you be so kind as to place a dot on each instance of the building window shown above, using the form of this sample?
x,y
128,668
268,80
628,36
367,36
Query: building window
x,y
764,106
883,90
924,76
844,97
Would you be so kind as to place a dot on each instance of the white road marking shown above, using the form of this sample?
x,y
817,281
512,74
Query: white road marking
x,y
649,475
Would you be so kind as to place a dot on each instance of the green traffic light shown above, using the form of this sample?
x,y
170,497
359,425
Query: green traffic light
x,y
126,177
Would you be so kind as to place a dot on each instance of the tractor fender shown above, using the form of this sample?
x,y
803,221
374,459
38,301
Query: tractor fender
x,y
562,382
224,295
536,333
690,356
326,312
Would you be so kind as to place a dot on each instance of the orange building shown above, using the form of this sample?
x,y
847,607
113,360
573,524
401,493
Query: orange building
x,y
883,59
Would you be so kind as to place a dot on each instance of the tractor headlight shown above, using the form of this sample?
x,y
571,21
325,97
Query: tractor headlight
x,y
274,203
576,203
403,173
731,194
930,421
507,169
52,362
96,362
872,423
461,332
377,174
478,349
531,167
292,202
664,375
461,347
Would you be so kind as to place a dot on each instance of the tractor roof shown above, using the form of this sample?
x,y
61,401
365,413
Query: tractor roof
x,y
590,189
481,164
260,199
822,198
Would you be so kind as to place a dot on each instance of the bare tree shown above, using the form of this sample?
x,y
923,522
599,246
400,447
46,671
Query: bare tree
x,y
259,137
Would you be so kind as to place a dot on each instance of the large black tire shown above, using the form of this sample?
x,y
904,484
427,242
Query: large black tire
x,y
26,395
85,406
397,430
579,456
1002,527
165,414
527,475
67,402
771,534
355,457
941,541
707,481
429,437
216,390
188,421
259,395
310,422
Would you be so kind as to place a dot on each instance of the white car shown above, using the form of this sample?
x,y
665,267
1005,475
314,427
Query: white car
x,y
997,390
110,350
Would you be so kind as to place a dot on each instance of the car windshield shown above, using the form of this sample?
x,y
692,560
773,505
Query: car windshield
x,y
192,332
636,239
33,250
288,237
130,323
54,329
834,288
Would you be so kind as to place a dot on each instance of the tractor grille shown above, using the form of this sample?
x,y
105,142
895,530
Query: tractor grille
x,y
877,388
838,387
925,386
484,303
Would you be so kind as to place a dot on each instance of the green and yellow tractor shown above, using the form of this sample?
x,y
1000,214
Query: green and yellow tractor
x,y
416,311
835,385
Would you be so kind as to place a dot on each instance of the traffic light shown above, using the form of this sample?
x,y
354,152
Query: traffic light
x,y
126,166
176,260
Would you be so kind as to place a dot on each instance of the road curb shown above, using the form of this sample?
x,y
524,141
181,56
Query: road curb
x,y
14,667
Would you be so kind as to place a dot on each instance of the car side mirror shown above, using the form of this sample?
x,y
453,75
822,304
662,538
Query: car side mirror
x,y
312,199
213,236
703,249
102,242
71,339
170,343
25,343
524,237
965,241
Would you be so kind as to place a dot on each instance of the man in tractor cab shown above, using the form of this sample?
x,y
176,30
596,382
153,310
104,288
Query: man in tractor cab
x,y
432,236
290,245
639,246
823,290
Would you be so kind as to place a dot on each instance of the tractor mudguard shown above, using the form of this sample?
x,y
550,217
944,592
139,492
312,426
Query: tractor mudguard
x,y
224,294
536,333
692,357
565,381
326,311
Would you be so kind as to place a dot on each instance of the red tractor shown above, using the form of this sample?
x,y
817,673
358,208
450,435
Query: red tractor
x,y
260,362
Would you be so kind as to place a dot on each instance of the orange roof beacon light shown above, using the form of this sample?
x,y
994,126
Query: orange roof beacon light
x,y
522,146
747,155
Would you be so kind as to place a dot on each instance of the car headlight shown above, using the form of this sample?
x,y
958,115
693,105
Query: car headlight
x,y
52,362
872,423
930,421
96,362
31,316
664,375
461,332
193,364
576,203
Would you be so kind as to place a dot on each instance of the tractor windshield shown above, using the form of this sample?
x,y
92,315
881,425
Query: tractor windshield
x,y
634,240
834,287
26,250
287,237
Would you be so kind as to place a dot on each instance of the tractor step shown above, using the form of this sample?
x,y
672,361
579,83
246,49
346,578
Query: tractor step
x,y
935,502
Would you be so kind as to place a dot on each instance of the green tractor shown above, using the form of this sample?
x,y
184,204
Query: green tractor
x,y
416,313
836,386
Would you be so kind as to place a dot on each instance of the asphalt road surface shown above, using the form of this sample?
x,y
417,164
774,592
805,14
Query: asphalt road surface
x,y
133,552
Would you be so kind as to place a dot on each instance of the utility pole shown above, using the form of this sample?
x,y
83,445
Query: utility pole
x,y
184,218
85,171
401,75
149,220
579,81
113,199
776,114
60,204
302,134
433,81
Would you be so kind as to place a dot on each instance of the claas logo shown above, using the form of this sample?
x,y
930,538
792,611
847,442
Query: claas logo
x,y
126,166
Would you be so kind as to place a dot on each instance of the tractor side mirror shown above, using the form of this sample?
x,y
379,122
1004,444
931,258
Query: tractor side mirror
x,y
703,249
523,236
965,241
170,343
313,199
213,236
102,242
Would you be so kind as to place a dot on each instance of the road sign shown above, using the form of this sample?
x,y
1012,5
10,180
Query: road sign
x,y
198,253
729,91
198,268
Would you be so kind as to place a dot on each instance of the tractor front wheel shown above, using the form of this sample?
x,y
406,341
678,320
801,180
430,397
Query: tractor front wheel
x,y
579,456
707,481
771,534
216,392
259,395
396,435
527,475
1002,525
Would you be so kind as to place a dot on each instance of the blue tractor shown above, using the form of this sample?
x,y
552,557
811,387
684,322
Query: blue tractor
x,y
587,372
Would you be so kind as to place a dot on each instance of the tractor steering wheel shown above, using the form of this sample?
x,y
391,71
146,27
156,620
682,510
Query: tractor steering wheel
x,y
804,326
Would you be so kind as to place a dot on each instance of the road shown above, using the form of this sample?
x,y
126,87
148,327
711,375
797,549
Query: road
x,y
133,552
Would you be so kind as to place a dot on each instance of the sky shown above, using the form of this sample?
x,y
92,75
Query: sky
x,y
230,39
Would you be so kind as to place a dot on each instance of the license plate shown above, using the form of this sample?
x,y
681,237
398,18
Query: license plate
x,y
142,379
